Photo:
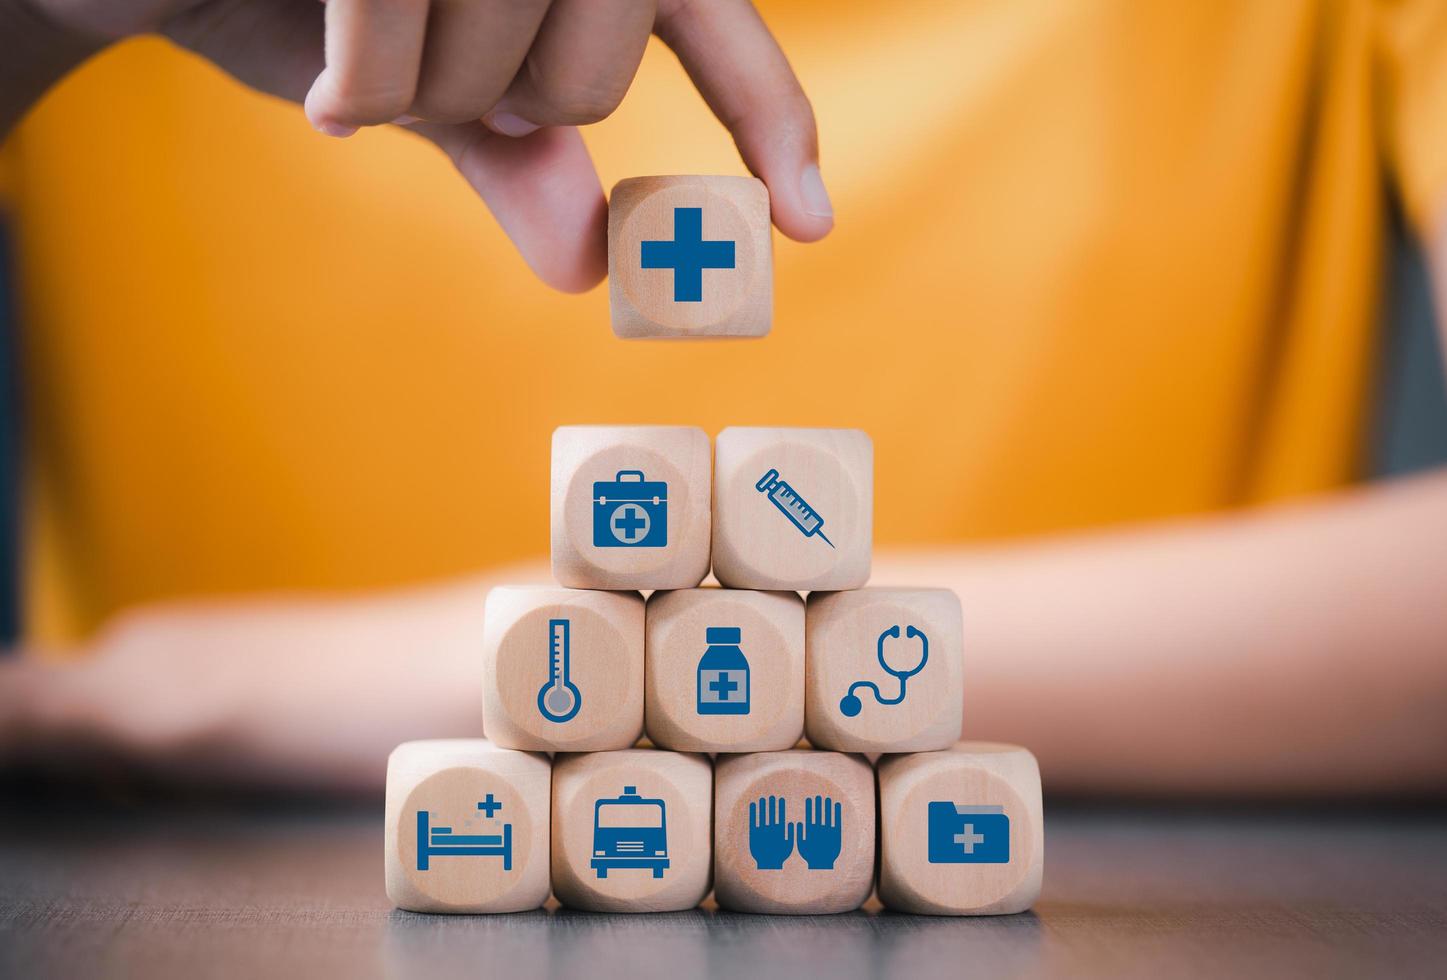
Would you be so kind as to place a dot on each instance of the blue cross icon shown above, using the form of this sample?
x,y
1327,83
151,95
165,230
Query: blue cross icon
x,y
688,255
630,523
724,686
489,806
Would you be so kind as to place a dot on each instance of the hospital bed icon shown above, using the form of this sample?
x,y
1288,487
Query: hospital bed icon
x,y
442,842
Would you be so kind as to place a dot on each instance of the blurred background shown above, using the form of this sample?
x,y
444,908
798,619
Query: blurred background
x,y
1091,267
1095,266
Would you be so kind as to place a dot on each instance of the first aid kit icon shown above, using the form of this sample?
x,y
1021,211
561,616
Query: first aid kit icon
x,y
630,511
960,834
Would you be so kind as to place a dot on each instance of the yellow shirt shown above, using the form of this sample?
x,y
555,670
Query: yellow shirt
x,y
1094,263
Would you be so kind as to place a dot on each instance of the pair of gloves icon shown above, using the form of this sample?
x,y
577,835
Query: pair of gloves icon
x,y
772,838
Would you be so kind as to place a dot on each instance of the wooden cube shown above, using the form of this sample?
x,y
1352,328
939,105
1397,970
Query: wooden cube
x,y
793,508
884,670
690,257
724,670
466,827
631,506
562,669
631,830
793,832
962,831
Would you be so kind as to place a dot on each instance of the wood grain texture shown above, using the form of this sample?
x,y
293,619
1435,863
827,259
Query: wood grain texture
x,y
448,778
606,665
138,884
771,626
970,774
585,456
683,781
795,776
843,635
755,545
733,302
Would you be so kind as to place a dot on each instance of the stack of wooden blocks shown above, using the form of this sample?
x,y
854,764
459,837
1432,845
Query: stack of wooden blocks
x,y
725,681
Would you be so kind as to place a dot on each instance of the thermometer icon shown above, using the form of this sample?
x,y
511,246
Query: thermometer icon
x,y
559,699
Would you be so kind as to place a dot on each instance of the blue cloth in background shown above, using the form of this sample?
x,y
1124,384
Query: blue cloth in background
x,y
1410,428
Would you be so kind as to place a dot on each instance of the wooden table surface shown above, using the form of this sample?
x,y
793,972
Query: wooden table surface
x,y
179,890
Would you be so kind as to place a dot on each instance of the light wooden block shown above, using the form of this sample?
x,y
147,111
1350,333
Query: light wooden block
x,y
746,696
848,690
962,831
466,827
631,506
594,700
793,832
761,537
631,830
690,257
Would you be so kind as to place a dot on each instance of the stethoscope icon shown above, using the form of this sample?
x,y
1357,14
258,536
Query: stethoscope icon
x,y
850,704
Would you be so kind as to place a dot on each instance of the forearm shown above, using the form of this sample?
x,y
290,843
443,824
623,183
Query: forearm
x,y
1292,650
35,53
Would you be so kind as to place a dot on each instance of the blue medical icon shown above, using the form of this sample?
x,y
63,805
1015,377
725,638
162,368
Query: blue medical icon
x,y
818,837
723,673
442,842
850,704
688,255
968,834
771,835
559,698
630,511
630,831
792,506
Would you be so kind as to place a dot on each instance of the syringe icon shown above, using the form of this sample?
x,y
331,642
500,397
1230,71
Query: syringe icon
x,y
793,506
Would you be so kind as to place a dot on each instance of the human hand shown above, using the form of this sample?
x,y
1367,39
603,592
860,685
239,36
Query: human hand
x,y
306,694
819,836
498,86
771,836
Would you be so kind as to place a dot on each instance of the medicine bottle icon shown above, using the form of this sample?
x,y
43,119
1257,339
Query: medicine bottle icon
x,y
723,674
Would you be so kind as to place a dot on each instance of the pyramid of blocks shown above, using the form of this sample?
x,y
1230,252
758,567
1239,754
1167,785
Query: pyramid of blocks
x,y
560,797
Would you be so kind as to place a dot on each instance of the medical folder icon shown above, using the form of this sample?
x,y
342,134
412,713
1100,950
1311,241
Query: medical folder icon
x,y
630,511
968,834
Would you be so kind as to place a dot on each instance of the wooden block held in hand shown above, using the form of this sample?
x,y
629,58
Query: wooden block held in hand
x,y
724,670
631,506
690,257
962,831
793,508
562,669
631,830
793,832
852,703
467,827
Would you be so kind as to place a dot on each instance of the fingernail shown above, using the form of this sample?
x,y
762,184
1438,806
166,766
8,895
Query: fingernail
x,y
510,125
405,120
340,130
811,189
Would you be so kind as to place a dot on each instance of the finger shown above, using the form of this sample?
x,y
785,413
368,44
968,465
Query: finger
x,y
747,82
543,191
753,814
373,51
580,66
473,50
838,815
